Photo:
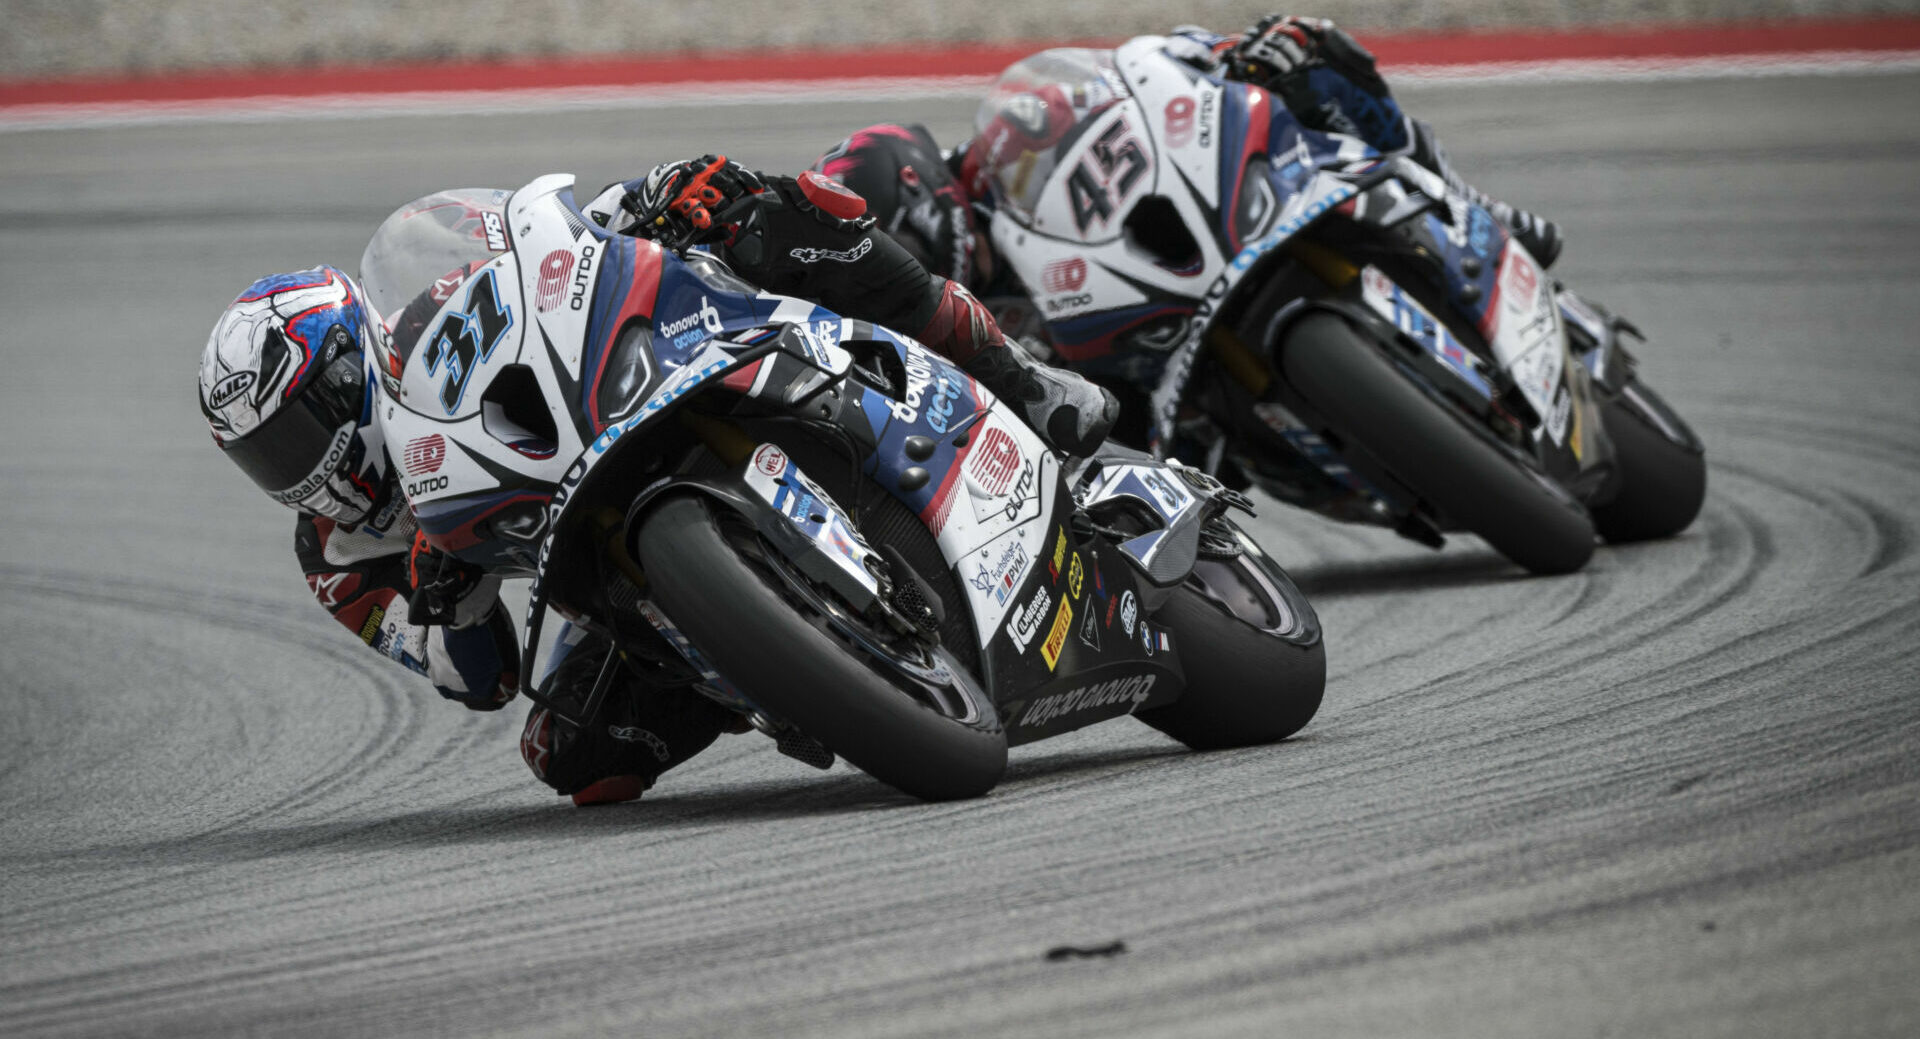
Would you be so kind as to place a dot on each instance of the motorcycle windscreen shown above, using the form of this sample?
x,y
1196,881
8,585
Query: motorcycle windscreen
x,y
1032,116
426,239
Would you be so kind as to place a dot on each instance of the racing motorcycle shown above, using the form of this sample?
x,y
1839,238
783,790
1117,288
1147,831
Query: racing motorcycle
x,y
1327,322
814,521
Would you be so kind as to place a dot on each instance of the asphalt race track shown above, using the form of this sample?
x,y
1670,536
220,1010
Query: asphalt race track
x,y
1676,794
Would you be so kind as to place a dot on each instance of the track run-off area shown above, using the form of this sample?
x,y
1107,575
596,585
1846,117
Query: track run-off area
x,y
1677,793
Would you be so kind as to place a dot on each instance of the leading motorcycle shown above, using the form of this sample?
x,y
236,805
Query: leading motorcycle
x,y
814,521
1330,323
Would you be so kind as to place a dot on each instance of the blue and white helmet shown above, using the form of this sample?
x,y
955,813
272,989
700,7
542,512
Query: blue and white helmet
x,y
284,385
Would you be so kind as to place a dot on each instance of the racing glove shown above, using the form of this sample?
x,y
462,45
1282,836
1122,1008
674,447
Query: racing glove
x,y
447,590
692,201
1276,47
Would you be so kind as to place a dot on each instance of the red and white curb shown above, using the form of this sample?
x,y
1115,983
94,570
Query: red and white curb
x,y
1615,54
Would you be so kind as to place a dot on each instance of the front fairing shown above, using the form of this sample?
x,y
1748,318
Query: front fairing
x,y
510,368
1088,228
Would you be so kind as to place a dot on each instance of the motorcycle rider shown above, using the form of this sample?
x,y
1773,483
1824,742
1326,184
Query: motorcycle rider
x,y
287,385
1326,79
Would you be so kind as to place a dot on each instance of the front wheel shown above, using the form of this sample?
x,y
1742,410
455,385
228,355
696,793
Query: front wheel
x,y
906,714
1255,664
1373,408
1663,468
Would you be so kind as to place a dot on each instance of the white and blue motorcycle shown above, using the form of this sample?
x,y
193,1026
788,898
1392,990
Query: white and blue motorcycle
x,y
1315,318
814,521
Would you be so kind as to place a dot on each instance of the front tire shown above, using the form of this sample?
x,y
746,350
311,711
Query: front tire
x,y
1662,464
790,653
1255,663
1375,409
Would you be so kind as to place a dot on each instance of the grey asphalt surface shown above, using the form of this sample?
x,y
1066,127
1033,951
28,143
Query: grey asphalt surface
x,y
1675,794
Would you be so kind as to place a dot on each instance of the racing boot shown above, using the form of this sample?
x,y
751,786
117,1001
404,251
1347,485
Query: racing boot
x,y
1541,237
637,735
1069,412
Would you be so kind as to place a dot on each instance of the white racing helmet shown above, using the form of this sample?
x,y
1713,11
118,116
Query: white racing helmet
x,y
284,386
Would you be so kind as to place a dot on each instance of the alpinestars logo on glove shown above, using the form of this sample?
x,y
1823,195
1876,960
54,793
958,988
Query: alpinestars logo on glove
x,y
805,255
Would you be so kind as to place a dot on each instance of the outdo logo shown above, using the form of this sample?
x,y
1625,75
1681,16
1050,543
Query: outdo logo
x,y
1064,275
424,455
1179,117
554,272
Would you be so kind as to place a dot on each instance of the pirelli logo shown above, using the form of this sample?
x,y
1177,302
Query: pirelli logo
x,y
1057,636
371,629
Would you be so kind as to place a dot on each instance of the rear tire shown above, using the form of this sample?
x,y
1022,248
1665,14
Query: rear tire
x,y
1663,471
1255,663
1373,409
783,652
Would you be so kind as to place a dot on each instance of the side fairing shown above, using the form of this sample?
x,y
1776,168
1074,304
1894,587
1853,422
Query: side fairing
x,y
983,483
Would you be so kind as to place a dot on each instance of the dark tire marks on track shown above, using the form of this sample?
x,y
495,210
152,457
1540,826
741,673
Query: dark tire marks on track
x,y
1669,795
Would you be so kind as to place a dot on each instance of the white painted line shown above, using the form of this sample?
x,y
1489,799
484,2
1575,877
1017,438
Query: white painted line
x,y
1616,70
818,91
481,102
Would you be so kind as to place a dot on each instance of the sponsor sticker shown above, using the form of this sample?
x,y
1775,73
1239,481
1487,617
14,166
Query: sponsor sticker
x,y
699,324
1557,418
228,388
371,629
426,485
1026,620
1064,275
1059,556
555,268
770,460
1179,120
1076,577
1006,574
994,461
1132,691
1057,635
1521,283
582,277
496,231
1129,611
424,455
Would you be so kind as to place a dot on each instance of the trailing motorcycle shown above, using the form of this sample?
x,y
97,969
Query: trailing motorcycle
x,y
814,521
1311,316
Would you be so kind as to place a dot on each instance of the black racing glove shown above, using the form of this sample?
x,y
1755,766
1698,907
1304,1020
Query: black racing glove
x,y
1276,47
446,590
691,202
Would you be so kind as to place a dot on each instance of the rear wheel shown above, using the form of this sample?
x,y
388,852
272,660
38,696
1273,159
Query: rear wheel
x,y
1663,468
902,711
1250,645
1373,409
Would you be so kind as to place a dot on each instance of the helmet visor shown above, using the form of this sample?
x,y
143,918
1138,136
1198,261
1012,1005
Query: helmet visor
x,y
301,445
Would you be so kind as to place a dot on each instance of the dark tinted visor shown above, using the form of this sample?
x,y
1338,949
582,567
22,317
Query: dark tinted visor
x,y
293,452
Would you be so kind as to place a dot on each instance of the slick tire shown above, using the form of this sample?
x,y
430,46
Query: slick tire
x,y
1374,409
1255,663
1662,469
709,572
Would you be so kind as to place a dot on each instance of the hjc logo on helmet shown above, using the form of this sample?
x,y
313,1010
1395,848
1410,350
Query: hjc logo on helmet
x,y
227,389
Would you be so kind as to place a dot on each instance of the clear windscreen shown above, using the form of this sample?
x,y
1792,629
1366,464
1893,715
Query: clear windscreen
x,y
1030,114
425,240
